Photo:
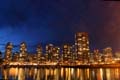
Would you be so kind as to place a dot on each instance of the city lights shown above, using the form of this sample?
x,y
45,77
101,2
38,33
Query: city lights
x,y
78,54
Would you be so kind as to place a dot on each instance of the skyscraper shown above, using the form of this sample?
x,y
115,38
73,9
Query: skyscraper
x,y
23,52
8,52
39,53
49,52
107,57
15,56
56,53
96,55
82,46
66,53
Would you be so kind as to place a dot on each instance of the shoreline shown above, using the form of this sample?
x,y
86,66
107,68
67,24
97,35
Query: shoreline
x,y
65,66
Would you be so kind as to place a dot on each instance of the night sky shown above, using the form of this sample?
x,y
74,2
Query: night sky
x,y
56,21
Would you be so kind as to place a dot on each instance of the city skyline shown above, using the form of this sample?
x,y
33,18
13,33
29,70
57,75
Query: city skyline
x,y
59,40
44,45
29,46
32,48
76,54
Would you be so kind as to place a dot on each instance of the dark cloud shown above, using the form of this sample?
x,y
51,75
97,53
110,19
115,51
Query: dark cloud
x,y
56,21
102,22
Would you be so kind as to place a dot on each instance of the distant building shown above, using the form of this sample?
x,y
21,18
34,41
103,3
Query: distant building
x,y
39,53
73,54
52,52
34,57
96,56
49,52
117,54
56,53
107,55
78,53
66,53
82,46
15,57
8,52
23,52
30,58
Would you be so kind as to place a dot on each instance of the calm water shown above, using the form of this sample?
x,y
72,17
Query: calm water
x,y
60,74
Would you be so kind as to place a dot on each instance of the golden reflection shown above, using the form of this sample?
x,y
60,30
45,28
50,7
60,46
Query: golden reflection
x,y
38,75
101,74
117,73
72,71
60,74
81,74
69,74
66,73
35,73
46,74
13,71
78,73
108,74
51,71
88,73
31,71
56,74
21,74
5,74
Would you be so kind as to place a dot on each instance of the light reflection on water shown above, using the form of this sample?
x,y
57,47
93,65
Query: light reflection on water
x,y
60,73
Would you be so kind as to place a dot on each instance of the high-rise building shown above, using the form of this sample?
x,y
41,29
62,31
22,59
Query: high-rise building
x,y
8,52
49,52
15,57
23,52
96,55
56,52
82,46
39,53
66,53
73,54
107,55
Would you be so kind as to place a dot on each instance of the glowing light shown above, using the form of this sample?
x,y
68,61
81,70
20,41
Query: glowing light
x,y
13,71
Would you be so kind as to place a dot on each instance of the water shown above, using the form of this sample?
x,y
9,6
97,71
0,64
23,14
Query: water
x,y
60,74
